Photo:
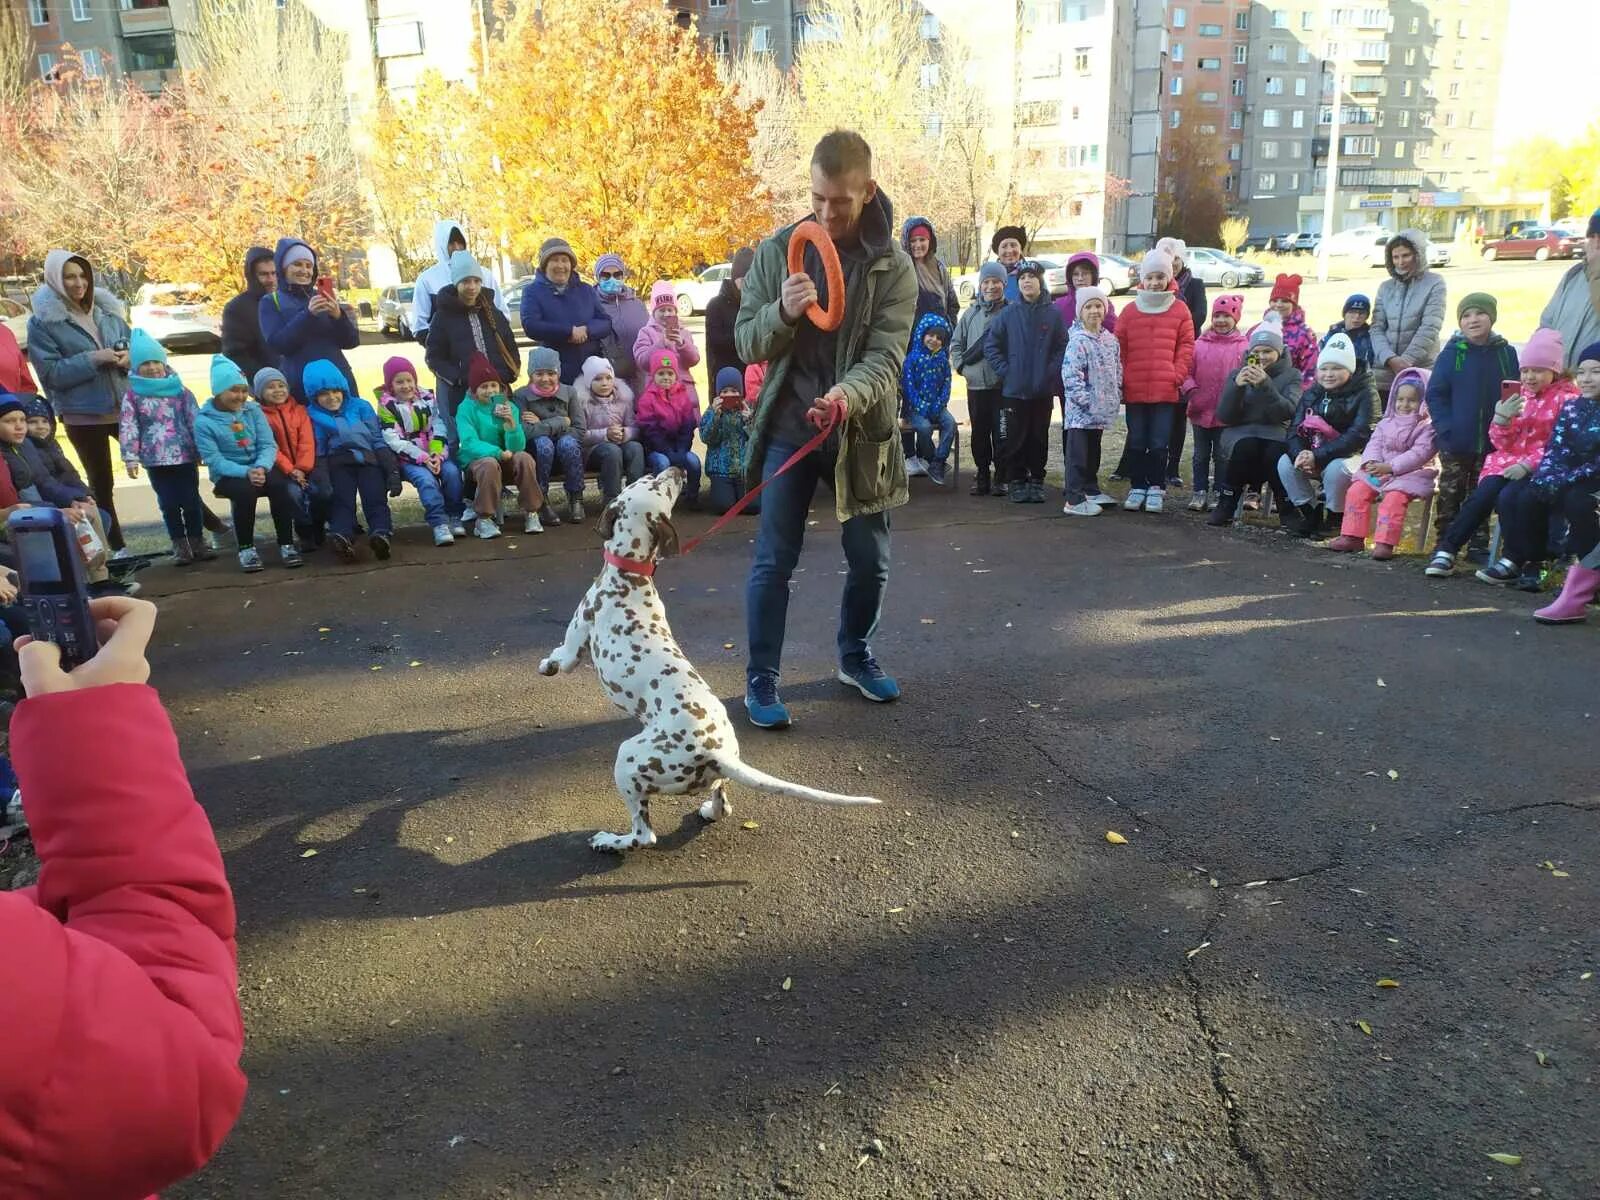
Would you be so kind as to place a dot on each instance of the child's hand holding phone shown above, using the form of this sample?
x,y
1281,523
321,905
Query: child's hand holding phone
x,y
123,627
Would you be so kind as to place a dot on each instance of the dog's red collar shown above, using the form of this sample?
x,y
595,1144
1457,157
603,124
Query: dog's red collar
x,y
633,566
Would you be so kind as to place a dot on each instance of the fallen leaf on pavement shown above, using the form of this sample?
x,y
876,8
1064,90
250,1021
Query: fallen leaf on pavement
x,y
1387,983
750,825
1544,1059
788,983
415,663
308,853
1381,683
1393,774
1587,975
1197,949
1559,874
900,909
727,645
1508,1160
927,620
1364,1027
1115,838
323,629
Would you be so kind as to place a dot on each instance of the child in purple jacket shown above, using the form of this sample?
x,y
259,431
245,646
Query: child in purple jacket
x,y
1398,466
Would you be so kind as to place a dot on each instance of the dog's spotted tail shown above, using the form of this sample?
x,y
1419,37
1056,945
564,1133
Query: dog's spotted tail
x,y
741,772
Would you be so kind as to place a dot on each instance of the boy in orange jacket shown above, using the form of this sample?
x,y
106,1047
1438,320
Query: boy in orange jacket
x,y
297,451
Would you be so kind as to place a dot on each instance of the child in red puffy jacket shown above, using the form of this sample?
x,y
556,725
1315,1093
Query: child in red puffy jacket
x,y
1156,333
120,966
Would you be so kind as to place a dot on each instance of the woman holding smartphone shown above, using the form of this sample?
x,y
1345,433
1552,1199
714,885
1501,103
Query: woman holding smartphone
x,y
303,320
78,344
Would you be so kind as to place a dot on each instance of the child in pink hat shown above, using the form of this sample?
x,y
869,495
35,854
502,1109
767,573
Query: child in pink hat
x,y
1217,355
664,331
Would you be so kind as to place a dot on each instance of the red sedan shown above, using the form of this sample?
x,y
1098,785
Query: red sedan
x,y
1535,243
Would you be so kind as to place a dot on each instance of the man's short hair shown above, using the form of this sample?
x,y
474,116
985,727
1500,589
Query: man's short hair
x,y
843,152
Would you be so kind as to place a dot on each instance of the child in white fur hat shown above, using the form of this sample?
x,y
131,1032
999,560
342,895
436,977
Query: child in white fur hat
x,y
1156,334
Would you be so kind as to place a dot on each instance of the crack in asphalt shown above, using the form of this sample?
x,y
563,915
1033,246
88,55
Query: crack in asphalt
x,y
1516,808
1319,869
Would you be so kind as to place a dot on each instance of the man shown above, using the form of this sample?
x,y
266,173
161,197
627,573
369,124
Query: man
x,y
1008,243
1409,312
559,310
721,314
1574,310
241,316
852,374
448,237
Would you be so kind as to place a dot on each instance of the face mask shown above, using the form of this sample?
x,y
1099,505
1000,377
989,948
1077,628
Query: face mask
x,y
611,287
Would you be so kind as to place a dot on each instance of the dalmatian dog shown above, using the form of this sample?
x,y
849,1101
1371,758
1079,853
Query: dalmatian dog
x,y
687,744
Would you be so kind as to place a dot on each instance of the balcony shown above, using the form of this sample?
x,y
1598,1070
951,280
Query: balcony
x,y
151,82
145,18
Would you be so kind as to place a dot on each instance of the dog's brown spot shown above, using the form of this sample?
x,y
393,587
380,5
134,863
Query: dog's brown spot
x,y
697,711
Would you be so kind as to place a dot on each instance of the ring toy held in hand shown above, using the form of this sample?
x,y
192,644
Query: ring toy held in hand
x,y
812,233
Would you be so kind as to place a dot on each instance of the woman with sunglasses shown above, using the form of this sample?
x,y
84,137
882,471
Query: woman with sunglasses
x,y
628,315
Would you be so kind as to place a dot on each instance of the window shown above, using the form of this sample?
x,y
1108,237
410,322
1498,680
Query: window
x,y
1080,60
1274,85
1267,150
1241,20
1461,28
928,76
1298,118
722,43
1076,208
1472,120
1210,31
1048,66
38,13
1294,181
1207,130
718,4
1428,89
1278,52
1447,149
1416,24
1236,119
1177,52
1373,51
80,11
1176,87
1180,18
1399,149
1359,144
1235,151
1177,119
930,27
1458,60
1411,56
1405,88
1072,10
1449,120
1438,28
1038,113
1280,19
1270,118
1300,86
47,63
93,65
1303,55
1241,54
1455,91
1423,151
1403,118
1209,97
1236,87
1425,120
1306,20
1230,182
761,39
1266,183
1296,149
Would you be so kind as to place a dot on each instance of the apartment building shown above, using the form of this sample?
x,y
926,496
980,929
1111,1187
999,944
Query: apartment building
x,y
1207,55
138,40
730,27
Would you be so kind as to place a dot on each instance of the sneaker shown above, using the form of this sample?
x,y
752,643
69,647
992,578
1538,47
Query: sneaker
x,y
341,545
379,542
130,587
1103,500
444,536
289,555
1155,500
485,528
1135,500
204,551
530,524
1211,500
1344,544
575,511
1174,482
547,516
868,678
980,487
1197,502
249,560
457,529
1021,492
1531,579
762,706
936,472
468,516
1000,490
1083,508
1501,571
915,466
122,555
1441,566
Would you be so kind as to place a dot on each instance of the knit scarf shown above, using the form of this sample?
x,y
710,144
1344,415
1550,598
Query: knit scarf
x,y
168,385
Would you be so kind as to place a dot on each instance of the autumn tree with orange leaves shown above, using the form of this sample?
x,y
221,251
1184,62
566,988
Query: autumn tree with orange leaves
x,y
632,145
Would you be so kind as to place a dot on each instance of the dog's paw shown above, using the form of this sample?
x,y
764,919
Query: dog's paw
x,y
549,666
714,809
612,843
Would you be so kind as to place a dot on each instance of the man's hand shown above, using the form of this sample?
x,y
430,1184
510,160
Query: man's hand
x,y
798,293
829,409
124,626
1305,461
580,335
257,476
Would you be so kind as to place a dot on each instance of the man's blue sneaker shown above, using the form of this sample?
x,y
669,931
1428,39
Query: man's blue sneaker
x,y
868,678
762,706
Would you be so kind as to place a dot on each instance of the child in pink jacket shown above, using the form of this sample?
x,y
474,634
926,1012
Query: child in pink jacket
x,y
664,331
1218,353
1520,428
669,414
1398,464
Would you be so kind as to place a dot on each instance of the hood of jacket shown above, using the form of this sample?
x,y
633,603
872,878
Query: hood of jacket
x,y
930,323
251,257
1418,377
285,245
910,224
877,226
1086,258
53,294
1418,241
353,408
321,375
442,229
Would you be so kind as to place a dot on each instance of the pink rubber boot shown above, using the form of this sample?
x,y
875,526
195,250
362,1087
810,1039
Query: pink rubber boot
x,y
1570,607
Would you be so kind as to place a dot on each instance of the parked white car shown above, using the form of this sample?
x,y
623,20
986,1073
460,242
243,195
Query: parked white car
x,y
694,294
394,311
1216,268
175,315
1366,243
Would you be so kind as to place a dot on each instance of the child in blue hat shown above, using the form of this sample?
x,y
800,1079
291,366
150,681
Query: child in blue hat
x,y
1355,325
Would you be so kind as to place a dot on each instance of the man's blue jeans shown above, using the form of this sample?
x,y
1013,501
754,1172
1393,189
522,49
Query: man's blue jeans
x,y
923,427
440,494
865,539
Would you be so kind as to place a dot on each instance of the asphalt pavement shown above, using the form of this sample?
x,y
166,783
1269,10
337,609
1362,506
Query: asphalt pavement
x,y
1329,773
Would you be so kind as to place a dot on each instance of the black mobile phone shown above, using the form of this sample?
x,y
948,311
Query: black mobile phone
x,y
55,589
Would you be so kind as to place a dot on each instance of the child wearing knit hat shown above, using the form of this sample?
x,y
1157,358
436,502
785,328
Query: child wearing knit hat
x,y
156,432
297,453
353,460
1331,423
1156,334
1091,393
1566,482
669,413
1397,467
493,448
664,330
414,429
1299,342
725,429
1355,324
467,322
1218,353
983,385
551,417
1468,379
1518,433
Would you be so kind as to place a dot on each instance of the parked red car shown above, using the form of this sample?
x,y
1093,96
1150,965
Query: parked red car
x,y
1535,243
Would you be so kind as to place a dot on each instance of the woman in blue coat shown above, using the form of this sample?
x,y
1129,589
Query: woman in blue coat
x,y
78,344
562,312
300,326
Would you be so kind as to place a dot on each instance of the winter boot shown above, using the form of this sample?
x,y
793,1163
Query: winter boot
x,y
1576,593
1227,505
1301,520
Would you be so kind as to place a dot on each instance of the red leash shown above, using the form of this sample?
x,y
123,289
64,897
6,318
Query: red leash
x,y
835,416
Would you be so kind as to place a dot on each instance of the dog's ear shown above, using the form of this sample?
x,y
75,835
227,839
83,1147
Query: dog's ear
x,y
666,536
608,519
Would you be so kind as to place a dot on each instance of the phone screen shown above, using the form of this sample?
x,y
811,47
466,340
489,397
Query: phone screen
x,y
38,562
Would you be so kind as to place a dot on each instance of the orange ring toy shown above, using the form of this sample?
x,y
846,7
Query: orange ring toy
x,y
812,233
